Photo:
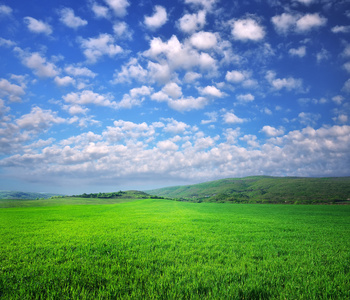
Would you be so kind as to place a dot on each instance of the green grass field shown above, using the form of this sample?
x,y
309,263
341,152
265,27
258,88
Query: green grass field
x,y
161,249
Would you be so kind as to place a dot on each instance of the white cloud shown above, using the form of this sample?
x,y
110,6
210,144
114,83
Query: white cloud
x,y
5,10
188,104
322,55
119,7
68,18
346,66
172,90
247,29
75,109
191,76
346,86
308,118
64,81
346,52
122,30
338,99
190,23
12,91
135,97
245,98
211,91
38,120
305,2
95,48
131,71
235,76
231,118
79,71
286,22
100,11
309,22
207,4
180,56
167,146
213,116
341,29
289,83
301,51
272,131
158,19
89,97
341,119
6,43
37,26
203,40
37,63
175,127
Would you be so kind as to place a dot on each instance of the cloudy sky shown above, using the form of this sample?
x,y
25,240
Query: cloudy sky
x,y
103,95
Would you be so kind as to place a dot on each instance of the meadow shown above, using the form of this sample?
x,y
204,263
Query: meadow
x,y
162,249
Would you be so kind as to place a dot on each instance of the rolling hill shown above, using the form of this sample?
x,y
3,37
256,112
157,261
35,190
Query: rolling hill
x,y
263,189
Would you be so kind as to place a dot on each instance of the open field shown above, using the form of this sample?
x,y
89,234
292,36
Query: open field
x,y
160,249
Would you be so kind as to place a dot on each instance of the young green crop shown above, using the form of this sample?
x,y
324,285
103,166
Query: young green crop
x,y
159,249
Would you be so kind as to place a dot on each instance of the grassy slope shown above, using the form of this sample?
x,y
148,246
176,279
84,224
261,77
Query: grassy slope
x,y
159,249
264,189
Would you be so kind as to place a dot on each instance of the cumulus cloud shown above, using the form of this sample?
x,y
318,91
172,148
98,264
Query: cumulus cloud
x,y
79,71
167,146
341,29
289,83
190,23
158,19
95,48
87,97
100,11
135,97
68,18
5,10
245,98
272,131
39,120
188,103
37,26
122,30
346,86
131,148
297,23
119,7
12,91
247,30
309,22
231,118
64,81
203,40
301,51
35,61
211,91
206,4
235,76
179,55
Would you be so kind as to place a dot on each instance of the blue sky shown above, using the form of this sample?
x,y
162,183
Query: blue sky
x,y
118,94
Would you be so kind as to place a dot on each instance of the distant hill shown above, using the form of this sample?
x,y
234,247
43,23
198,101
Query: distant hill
x,y
131,194
25,195
263,189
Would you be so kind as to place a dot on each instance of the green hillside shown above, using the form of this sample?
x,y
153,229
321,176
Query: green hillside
x,y
263,189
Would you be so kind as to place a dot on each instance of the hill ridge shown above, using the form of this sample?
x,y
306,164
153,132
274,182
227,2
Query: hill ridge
x,y
263,189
